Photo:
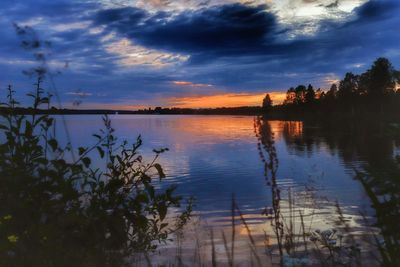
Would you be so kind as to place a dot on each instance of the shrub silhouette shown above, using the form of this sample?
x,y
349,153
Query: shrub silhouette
x,y
60,212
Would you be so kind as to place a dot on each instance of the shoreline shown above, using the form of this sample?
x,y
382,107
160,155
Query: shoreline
x,y
317,115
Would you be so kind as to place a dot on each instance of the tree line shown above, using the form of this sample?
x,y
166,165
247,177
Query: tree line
x,y
375,90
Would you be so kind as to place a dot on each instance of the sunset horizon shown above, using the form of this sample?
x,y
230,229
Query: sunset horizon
x,y
183,133
192,54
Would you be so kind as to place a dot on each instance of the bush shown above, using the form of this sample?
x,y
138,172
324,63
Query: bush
x,y
59,212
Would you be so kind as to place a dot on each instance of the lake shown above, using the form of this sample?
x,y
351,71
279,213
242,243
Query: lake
x,y
213,157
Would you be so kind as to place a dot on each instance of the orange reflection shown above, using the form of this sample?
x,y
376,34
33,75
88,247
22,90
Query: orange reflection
x,y
218,128
293,128
215,128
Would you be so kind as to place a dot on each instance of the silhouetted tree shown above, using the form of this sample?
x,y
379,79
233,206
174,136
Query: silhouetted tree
x,y
310,95
382,78
290,96
348,86
374,90
300,94
332,93
364,81
319,93
267,103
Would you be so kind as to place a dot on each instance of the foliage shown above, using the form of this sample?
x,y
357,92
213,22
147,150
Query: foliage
x,y
373,90
348,86
60,212
310,95
267,103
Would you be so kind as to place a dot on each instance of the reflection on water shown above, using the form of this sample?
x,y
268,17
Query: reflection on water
x,y
212,157
370,150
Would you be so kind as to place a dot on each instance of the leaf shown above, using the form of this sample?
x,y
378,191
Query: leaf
x,y
42,161
163,225
53,144
150,190
161,150
159,170
86,161
142,198
97,136
162,210
81,151
101,151
141,221
28,128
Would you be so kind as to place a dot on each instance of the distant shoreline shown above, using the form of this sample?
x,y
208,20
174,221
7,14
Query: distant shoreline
x,y
274,114
251,111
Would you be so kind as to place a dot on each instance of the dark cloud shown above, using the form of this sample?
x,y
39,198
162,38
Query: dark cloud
x,y
120,16
228,29
377,9
245,33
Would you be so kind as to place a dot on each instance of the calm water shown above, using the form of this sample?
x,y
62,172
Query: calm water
x,y
211,157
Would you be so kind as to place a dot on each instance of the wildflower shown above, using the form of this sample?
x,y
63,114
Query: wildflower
x,y
12,238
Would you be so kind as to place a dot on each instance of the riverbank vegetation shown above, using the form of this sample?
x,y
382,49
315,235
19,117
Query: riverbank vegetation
x,y
59,209
376,91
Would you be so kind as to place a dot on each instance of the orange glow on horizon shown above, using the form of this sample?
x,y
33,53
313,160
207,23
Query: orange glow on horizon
x,y
224,100
208,101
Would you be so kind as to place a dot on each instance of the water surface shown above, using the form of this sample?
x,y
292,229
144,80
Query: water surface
x,y
213,157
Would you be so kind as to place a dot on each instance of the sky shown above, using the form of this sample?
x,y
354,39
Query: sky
x,y
126,54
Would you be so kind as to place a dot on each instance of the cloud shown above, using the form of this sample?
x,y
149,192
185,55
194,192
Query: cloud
x,y
376,9
120,16
190,84
227,29
331,79
130,54
57,10
244,34
78,93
